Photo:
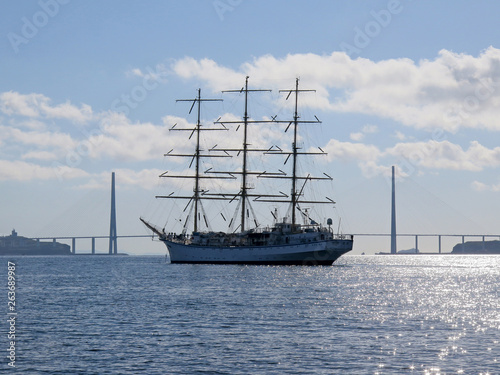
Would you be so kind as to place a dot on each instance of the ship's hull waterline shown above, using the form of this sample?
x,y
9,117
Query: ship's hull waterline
x,y
314,253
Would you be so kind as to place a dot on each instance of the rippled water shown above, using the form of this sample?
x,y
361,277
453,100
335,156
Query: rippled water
x,y
364,315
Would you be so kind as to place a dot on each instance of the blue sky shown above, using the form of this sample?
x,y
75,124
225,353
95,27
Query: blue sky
x,y
89,87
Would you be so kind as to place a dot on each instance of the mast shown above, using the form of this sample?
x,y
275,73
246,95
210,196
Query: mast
x,y
295,149
296,192
197,167
297,181
196,198
244,173
245,152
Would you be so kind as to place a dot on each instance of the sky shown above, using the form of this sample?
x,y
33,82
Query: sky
x,y
88,88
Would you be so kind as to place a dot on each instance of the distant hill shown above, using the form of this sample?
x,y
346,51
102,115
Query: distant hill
x,y
18,245
477,247
409,251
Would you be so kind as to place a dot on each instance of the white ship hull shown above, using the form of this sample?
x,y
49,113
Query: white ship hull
x,y
314,253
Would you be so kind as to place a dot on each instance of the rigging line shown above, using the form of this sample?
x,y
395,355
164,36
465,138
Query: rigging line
x,y
186,223
205,216
236,212
245,122
307,216
173,206
303,185
288,210
221,212
253,214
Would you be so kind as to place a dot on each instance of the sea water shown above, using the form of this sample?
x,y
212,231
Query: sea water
x,y
413,314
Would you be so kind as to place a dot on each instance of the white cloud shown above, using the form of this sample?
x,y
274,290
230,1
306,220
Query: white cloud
x,y
23,171
399,135
371,169
218,77
115,137
357,136
38,105
54,140
68,111
13,103
145,178
349,151
480,186
120,139
430,155
367,129
28,123
136,72
450,92
158,74
370,129
39,155
446,155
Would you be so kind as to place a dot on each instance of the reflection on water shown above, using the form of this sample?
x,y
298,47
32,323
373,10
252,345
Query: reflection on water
x,y
365,315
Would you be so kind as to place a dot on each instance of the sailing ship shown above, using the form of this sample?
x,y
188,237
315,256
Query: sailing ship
x,y
285,242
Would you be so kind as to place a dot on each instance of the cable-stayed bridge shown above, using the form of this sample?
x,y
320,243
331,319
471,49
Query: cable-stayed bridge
x,y
437,238
112,240
112,237
77,242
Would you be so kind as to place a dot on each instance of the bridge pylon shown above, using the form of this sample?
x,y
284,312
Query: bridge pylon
x,y
393,215
112,225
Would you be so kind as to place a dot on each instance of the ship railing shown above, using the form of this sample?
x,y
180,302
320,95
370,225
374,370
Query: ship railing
x,y
187,238
343,236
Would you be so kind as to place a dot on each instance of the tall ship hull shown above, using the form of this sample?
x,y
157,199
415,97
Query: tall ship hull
x,y
293,239
315,253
